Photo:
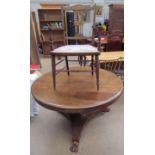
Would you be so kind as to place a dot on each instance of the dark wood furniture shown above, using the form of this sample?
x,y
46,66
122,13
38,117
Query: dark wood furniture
x,y
116,18
51,21
114,42
80,11
108,41
76,97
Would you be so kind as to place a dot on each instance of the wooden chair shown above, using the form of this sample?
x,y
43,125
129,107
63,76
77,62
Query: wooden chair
x,y
116,66
81,13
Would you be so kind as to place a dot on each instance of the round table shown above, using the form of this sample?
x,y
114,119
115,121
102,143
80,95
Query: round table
x,y
76,97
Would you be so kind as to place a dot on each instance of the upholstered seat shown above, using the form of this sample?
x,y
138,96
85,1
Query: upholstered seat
x,y
76,49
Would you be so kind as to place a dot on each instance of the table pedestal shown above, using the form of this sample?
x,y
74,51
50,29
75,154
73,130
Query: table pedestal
x,y
77,123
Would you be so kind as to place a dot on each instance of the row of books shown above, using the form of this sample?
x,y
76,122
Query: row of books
x,y
52,25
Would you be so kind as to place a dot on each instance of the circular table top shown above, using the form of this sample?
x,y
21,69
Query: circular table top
x,y
77,92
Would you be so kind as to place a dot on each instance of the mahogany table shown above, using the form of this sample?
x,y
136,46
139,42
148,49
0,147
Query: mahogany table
x,y
76,97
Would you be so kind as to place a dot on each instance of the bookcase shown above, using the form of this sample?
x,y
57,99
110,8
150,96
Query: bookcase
x,y
51,22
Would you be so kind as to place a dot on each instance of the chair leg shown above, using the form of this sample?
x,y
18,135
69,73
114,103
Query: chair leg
x,y
97,71
92,64
67,66
54,71
85,60
80,60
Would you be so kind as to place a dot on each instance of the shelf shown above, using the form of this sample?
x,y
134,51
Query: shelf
x,y
47,41
50,20
56,29
78,37
49,9
51,41
58,40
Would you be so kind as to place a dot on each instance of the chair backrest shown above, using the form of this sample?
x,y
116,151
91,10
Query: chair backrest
x,y
116,66
83,22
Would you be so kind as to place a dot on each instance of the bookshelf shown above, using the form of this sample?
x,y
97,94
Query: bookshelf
x,y
51,22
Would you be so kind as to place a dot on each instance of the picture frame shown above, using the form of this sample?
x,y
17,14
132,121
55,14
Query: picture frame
x,y
99,9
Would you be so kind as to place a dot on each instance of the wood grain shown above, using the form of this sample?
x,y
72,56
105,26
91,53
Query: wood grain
x,y
77,93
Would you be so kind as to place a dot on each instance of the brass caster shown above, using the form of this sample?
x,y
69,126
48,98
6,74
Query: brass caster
x,y
74,147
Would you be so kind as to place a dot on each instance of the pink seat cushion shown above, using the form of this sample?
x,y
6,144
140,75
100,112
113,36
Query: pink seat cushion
x,y
76,49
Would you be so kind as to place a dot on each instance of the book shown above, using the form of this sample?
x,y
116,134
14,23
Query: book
x,y
57,26
43,38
